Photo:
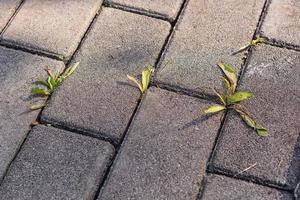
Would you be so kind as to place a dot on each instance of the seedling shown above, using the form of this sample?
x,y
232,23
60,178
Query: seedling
x,y
253,43
232,99
46,88
146,77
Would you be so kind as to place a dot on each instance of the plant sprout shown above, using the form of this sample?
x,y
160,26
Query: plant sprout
x,y
253,43
232,99
46,88
146,77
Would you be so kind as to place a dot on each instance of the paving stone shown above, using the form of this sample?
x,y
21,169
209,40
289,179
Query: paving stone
x,y
208,33
221,187
283,21
17,72
7,9
97,98
273,77
49,26
167,9
56,164
165,152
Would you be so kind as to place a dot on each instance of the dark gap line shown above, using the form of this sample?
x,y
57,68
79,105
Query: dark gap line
x,y
14,157
118,147
133,116
11,18
249,178
88,30
138,11
246,59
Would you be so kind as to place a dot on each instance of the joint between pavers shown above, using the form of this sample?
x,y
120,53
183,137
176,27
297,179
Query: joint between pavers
x,y
69,60
138,11
42,53
14,157
250,178
11,18
120,144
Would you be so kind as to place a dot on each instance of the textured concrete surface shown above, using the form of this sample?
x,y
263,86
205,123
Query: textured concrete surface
x,y
167,9
102,102
273,76
221,187
7,9
165,153
206,36
18,70
283,21
51,26
55,164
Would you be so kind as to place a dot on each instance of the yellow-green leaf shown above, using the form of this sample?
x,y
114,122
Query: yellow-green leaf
x,y
262,132
230,74
257,41
238,96
38,106
40,91
146,76
227,85
214,109
131,78
70,70
221,97
250,122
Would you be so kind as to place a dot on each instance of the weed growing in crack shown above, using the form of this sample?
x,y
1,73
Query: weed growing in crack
x,y
47,87
253,43
232,99
146,77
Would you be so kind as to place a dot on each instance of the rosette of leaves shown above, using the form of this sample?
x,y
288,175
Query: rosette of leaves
x,y
146,78
232,99
47,87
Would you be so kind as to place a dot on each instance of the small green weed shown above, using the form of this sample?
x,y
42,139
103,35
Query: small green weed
x,y
146,77
232,99
253,43
46,88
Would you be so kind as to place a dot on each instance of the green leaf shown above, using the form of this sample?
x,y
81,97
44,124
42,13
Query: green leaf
x,y
70,70
40,91
250,122
230,73
131,78
257,41
146,76
52,83
221,97
214,109
227,85
262,132
238,96
38,106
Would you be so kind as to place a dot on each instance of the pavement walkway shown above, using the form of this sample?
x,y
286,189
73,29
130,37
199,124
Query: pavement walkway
x,y
97,140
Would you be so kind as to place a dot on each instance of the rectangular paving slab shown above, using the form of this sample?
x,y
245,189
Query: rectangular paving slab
x,y
225,188
56,164
54,27
98,99
282,21
166,9
208,32
273,77
165,152
7,9
18,70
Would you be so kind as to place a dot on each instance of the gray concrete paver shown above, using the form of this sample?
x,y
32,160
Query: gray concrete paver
x,y
165,152
18,70
97,98
273,77
56,164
